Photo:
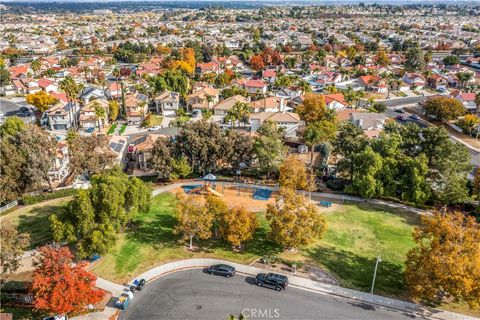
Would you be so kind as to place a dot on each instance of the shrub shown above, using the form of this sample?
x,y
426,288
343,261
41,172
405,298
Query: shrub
x,y
336,184
36,198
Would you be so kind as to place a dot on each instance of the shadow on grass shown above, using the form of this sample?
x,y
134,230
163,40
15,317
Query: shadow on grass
x,y
356,272
406,216
157,232
37,224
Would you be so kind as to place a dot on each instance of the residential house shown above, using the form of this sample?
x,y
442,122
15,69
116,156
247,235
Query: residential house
x,y
203,98
88,117
437,82
139,151
47,85
371,123
335,101
373,84
60,167
327,78
137,108
415,80
288,120
92,93
270,75
467,99
267,104
255,87
207,67
166,103
221,108
62,116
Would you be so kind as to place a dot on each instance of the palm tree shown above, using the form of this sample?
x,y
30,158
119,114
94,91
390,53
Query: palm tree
x,y
100,113
35,65
242,111
231,116
72,90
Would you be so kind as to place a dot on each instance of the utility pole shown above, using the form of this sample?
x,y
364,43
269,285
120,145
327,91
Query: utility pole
x,y
379,259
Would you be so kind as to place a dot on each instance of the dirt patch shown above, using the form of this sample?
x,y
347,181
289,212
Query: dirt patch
x,y
235,197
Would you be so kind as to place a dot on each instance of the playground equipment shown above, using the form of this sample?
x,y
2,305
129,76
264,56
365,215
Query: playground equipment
x,y
326,204
202,190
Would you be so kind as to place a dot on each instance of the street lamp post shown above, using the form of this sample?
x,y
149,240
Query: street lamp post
x,y
379,259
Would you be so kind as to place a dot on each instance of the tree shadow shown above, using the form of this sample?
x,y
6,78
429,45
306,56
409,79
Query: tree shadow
x,y
36,223
157,232
356,272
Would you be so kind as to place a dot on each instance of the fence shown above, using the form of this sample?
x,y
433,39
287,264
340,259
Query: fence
x,y
9,206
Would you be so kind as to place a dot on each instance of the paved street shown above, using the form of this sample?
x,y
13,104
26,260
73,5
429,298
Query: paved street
x,y
193,294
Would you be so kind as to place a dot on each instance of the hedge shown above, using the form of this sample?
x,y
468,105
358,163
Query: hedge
x,y
36,198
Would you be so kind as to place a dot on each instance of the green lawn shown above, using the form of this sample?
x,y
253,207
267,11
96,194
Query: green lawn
x,y
112,129
122,129
156,120
151,242
34,219
356,234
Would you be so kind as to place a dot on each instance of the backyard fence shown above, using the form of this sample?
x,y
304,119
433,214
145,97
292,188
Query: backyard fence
x,y
8,206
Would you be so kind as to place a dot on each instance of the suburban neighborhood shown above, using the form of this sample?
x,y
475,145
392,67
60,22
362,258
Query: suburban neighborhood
x,y
164,160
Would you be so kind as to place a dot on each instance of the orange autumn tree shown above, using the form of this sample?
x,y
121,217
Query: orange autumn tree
x,y
238,226
59,286
257,62
188,61
446,261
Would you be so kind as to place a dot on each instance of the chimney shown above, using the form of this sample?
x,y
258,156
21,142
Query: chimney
x,y
282,105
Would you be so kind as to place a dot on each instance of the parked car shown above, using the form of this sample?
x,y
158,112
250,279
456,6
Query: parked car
x,y
400,118
399,110
62,317
155,128
222,270
272,280
415,117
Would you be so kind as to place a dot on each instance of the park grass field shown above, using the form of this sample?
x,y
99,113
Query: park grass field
x,y
356,234
34,219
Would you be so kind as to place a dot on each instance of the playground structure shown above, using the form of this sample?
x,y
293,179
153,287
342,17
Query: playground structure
x,y
201,189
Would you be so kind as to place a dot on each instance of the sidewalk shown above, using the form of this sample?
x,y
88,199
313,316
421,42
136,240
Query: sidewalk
x,y
295,281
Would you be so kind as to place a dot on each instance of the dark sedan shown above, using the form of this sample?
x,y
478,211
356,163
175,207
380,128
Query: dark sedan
x,y
272,280
222,270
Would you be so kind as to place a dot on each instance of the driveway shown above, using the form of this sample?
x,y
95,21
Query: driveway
x,y
194,294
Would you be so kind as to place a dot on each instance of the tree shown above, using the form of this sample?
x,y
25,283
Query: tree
x,y
35,65
218,208
61,287
100,113
113,110
451,60
90,154
96,215
39,149
469,122
232,91
382,58
446,261
238,148
180,168
201,143
294,220
161,158
293,174
11,126
368,165
256,62
414,60
268,146
4,74
41,100
193,219
13,246
464,77
318,132
444,108
350,140
313,108
238,225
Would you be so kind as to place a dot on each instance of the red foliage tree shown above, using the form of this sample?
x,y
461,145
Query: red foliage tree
x,y
257,62
59,286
